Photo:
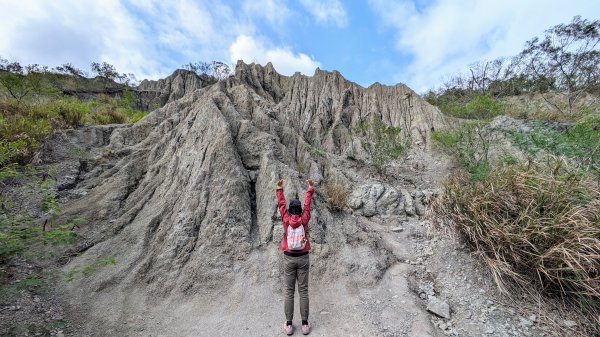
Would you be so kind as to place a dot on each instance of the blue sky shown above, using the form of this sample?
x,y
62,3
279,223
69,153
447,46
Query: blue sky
x,y
416,42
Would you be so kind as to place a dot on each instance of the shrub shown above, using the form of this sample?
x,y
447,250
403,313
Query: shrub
x,y
581,143
384,143
387,147
482,107
532,225
65,112
21,133
315,152
50,204
469,144
336,194
136,115
467,104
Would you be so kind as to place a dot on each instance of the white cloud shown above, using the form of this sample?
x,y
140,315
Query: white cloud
x,y
285,61
275,11
327,11
149,38
52,33
448,35
188,30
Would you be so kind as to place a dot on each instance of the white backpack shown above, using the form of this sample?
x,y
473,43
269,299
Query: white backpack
x,y
296,238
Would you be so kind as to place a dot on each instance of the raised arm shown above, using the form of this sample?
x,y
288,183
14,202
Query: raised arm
x,y
281,199
307,200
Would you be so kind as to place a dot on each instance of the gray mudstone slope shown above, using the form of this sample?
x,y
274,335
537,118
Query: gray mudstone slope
x,y
154,94
183,198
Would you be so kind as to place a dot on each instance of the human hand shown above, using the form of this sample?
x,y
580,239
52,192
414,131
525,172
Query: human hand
x,y
280,183
310,182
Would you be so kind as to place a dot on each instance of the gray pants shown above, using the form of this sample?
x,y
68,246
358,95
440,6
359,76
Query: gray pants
x,y
295,268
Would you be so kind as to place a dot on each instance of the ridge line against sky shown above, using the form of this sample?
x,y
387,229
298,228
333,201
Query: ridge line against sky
x,y
416,42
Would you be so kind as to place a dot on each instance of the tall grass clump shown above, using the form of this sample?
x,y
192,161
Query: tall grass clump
x,y
535,227
336,194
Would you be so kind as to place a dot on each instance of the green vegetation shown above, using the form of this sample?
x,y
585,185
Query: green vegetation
x,y
467,105
388,144
25,126
32,329
535,224
561,67
35,281
316,153
38,282
16,232
384,143
35,101
90,268
469,144
581,143
19,233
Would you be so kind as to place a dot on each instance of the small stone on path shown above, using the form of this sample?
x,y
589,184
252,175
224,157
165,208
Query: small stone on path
x,y
438,307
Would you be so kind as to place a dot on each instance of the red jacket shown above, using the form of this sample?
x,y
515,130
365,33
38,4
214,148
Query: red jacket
x,y
294,220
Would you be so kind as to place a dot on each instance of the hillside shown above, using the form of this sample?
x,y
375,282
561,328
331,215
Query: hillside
x,y
177,230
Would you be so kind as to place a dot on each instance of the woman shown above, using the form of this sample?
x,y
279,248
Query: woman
x,y
295,246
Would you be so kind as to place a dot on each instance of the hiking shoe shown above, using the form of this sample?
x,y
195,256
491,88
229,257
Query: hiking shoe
x,y
306,328
288,329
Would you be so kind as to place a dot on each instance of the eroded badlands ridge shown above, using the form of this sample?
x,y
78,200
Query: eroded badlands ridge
x,y
183,198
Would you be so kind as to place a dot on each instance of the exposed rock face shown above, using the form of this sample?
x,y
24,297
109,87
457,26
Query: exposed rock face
x,y
184,194
326,108
379,199
148,95
155,94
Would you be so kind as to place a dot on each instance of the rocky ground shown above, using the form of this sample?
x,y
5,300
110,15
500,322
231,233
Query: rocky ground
x,y
181,230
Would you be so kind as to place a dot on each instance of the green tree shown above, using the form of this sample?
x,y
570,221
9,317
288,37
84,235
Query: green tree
x,y
70,69
567,54
105,70
20,81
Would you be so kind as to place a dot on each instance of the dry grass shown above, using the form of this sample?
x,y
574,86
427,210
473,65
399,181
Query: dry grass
x,y
534,227
336,194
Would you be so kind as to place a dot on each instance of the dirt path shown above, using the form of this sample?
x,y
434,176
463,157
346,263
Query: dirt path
x,y
253,305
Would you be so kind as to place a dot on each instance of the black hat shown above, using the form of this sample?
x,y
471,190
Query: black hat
x,y
295,207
